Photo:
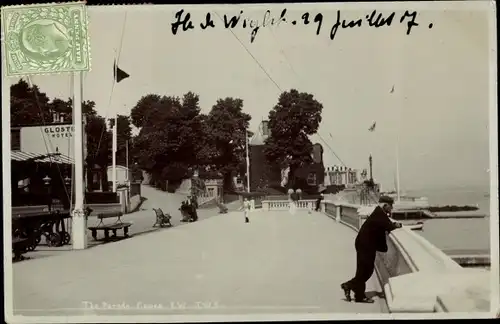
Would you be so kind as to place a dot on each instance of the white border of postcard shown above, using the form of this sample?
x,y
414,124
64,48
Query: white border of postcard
x,y
494,229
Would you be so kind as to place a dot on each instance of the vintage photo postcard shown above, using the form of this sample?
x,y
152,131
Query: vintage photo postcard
x,y
250,162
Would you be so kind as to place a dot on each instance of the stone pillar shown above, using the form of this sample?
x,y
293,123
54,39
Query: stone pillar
x,y
337,213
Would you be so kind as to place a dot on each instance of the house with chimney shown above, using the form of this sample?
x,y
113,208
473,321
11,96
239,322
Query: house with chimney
x,y
265,175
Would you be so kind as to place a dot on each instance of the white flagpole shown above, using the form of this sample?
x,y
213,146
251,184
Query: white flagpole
x,y
114,151
247,160
79,226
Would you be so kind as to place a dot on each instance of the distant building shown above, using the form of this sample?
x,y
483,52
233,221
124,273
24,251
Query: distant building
x,y
341,175
121,174
53,138
266,175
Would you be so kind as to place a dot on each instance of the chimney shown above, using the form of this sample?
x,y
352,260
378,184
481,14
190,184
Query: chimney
x,y
54,117
61,119
265,128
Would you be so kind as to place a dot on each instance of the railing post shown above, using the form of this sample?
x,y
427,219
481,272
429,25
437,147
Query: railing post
x,y
337,213
265,205
323,207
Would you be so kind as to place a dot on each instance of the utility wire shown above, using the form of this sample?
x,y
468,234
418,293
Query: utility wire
x,y
47,149
117,56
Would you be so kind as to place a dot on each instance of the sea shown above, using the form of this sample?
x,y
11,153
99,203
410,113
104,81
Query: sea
x,y
458,236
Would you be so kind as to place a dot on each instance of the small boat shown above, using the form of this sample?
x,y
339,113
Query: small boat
x,y
419,226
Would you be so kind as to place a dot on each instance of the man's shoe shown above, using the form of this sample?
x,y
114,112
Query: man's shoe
x,y
247,220
364,300
347,291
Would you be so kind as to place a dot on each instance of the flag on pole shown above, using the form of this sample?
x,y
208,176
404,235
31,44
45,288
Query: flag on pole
x,y
115,135
372,127
118,73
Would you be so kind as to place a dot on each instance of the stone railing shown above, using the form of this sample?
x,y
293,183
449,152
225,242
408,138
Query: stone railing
x,y
285,204
417,276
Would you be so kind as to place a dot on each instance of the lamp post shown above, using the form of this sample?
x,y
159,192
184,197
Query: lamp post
x,y
67,183
46,181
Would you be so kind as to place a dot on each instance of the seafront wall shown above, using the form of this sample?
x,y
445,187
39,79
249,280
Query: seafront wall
x,y
416,276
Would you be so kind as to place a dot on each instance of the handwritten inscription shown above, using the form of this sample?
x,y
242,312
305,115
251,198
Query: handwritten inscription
x,y
372,20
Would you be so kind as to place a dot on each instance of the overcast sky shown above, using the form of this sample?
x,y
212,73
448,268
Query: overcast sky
x,y
439,106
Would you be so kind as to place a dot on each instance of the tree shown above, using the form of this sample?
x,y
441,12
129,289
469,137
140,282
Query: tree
x,y
28,105
144,107
166,146
295,117
224,139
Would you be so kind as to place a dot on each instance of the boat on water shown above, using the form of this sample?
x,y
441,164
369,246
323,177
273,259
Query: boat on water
x,y
419,226
404,201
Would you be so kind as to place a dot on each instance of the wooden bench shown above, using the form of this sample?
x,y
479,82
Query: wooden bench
x,y
106,228
19,247
161,218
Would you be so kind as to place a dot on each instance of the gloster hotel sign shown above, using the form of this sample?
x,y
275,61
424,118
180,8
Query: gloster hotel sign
x,y
62,131
48,139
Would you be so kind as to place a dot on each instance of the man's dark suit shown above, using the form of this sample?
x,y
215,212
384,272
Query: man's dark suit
x,y
370,239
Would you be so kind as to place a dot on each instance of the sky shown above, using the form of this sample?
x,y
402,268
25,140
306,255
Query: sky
x,y
438,111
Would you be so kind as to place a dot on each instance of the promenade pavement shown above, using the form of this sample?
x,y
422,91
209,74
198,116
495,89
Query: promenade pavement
x,y
142,220
277,263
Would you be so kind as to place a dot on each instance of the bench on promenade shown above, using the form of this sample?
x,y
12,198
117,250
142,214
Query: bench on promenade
x,y
114,227
19,247
161,218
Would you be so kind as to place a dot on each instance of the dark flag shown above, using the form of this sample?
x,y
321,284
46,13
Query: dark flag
x,y
118,73
372,127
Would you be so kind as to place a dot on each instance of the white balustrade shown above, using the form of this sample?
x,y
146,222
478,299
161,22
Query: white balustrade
x,y
306,204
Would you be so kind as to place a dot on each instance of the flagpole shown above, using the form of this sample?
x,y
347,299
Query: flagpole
x,y
115,126
79,228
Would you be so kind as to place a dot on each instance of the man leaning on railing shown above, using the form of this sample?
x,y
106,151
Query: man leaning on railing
x,y
370,239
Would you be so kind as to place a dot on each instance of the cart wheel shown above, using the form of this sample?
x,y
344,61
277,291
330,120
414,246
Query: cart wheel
x,y
32,246
54,239
38,236
65,237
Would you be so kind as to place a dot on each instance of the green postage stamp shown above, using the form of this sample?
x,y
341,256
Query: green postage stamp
x,y
45,38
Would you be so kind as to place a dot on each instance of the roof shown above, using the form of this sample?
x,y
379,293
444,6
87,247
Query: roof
x,y
58,158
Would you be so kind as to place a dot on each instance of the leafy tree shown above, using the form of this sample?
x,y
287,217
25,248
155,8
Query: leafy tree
x,y
28,105
295,117
166,146
144,107
224,138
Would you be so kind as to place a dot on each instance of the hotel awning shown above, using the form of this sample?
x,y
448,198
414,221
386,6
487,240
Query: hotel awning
x,y
41,158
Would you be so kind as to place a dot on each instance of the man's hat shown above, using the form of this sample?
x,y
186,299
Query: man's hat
x,y
386,200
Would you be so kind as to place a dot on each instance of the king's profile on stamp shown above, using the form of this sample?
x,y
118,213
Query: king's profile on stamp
x,y
43,39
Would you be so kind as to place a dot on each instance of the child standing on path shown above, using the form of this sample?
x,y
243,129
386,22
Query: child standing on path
x,y
246,209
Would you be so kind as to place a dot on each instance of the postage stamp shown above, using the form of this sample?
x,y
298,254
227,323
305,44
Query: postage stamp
x,y
44,39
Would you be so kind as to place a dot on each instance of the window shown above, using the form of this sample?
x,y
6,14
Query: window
x,y
15,139
311,179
